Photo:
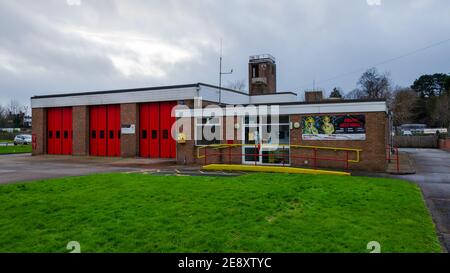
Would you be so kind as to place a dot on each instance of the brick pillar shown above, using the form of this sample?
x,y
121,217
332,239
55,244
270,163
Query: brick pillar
x,y
296,139
129,114
40,130
186,152
80,123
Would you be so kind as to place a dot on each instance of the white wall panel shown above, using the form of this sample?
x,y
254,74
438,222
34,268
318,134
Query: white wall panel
x,y
276,98
332,108
116,98
228,97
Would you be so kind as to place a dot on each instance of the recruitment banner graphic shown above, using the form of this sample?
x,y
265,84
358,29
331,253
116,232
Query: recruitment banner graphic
x,y
336,127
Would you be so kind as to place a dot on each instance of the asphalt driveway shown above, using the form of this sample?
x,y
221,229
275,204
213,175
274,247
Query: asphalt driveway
x,y
24,167
433,177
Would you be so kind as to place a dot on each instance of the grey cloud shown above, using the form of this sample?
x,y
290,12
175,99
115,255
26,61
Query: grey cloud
x,y
49,46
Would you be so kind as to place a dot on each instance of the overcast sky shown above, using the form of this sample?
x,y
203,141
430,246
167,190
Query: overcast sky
x,y
59,46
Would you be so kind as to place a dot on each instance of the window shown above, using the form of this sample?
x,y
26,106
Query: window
x,y
251,135
251,154
144,134
154,134
119,133
66,134
58,134
102,134
207,131
111,134
251,119
255,71
94,134
165,134
50,134
276,156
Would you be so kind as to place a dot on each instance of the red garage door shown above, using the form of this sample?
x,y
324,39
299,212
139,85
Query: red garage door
x,y
156,122
105,130
59,131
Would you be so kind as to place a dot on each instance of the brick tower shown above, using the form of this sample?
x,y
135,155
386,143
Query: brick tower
x,y
262,74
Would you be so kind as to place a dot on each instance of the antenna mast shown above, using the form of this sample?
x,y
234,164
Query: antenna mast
x,y
221,73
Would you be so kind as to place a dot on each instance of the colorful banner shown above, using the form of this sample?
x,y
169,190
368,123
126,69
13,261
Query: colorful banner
x,y
336,127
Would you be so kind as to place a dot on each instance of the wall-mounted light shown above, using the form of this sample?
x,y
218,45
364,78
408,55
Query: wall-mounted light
x,y
237,126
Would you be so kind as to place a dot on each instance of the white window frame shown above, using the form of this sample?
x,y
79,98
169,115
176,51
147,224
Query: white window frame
x,y
217,124
263,146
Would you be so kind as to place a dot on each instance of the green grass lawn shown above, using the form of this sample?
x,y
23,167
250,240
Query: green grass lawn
x,y
19,149
253,213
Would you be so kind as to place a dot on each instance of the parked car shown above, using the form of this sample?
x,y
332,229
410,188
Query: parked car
x,y
407,133
22,139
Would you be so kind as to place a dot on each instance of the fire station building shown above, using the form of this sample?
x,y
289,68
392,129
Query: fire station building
x,y
317,132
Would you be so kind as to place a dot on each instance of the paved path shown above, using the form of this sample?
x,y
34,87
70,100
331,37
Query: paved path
x,y
433,177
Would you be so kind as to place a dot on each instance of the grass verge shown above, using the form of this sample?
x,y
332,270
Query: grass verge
x,y
252,213
19,149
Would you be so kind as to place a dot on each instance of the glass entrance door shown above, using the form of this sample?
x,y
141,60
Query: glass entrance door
x,y
266,143
252,143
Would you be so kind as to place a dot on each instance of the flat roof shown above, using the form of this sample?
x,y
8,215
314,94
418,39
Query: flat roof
x,y
100,92
326,101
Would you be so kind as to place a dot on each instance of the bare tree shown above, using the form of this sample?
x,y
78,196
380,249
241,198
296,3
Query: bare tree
x,y
355,94
13,107
238,85
3,117
402,106
375,85
441,112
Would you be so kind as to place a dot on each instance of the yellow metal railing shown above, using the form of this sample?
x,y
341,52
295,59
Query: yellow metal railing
x,y
229,146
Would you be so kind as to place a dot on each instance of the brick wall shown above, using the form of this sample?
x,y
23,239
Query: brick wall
x,y
80,125
444,144
129,114
372,158
40,130
187,152
266,70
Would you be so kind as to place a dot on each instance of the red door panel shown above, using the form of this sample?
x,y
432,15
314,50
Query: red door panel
x,y
164,133
173,142
110,136
102,131
155,135
58,131
144,135
105,130
66,135
117,129
166,122
154,131
113,130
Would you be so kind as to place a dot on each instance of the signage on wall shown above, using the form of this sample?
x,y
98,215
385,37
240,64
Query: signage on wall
x,y
128,129
334,127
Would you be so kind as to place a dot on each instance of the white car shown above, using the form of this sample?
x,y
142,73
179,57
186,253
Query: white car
x,y
22,139
407,133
